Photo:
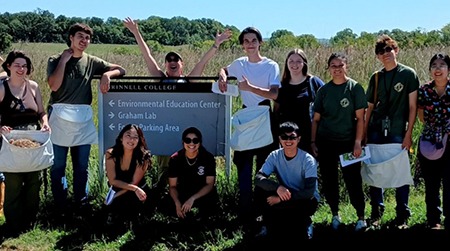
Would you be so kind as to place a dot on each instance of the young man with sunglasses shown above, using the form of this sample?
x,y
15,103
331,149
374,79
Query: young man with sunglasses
x,y
390,118
289,201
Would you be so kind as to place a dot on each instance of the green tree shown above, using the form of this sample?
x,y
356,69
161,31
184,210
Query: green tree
x,y
308,41
5,42
344,38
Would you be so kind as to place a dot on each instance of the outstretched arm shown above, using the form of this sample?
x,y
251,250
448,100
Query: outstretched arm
x,y
152,66
200,66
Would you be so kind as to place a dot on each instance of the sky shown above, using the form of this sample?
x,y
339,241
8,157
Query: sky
x,y
321,18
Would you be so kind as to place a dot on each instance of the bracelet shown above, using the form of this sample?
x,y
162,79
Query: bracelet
x,y
135,189
215,46
313,142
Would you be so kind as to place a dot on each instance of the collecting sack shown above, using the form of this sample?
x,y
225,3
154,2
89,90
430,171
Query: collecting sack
x,y
25,151
430,150
72,125
387,167
251,128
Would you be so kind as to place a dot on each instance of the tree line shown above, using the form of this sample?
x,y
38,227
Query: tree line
x,y
42,26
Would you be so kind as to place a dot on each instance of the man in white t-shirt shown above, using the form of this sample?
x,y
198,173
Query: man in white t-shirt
x,y
259,80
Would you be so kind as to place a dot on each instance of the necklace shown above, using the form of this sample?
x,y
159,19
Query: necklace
x,y
189,163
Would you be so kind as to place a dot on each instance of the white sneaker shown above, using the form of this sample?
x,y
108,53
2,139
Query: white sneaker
x,y
336,222
360,225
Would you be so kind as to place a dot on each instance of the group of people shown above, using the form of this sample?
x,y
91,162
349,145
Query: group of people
x,y
327,120
312,123
69,117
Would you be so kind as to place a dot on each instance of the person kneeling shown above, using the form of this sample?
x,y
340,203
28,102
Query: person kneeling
x,y
289,201
192,177
126,165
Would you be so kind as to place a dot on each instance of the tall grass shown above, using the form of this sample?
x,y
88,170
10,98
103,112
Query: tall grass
x,y
362,63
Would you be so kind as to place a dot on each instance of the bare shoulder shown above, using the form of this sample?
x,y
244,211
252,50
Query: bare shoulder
x,y
33,84
108,153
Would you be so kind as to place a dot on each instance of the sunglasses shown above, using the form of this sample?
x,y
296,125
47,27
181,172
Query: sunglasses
x,y
189,140
385,49
173,59
288,137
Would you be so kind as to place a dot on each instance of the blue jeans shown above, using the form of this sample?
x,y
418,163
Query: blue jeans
x,y
80,162
376,193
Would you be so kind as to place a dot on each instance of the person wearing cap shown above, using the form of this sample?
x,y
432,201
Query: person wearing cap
x,y
434,112
390,118
173,61
259,80
173,68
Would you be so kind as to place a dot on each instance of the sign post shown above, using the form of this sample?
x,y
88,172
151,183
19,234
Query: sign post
x,y
163,110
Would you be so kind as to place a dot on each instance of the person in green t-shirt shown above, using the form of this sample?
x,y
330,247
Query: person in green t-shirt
x,y
338,128
70,74
390,118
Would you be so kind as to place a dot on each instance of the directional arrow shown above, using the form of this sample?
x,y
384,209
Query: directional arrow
x,y
111,115
111,126
111,103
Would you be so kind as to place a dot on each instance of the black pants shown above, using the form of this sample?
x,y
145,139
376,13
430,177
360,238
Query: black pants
x,y
207,205
287,218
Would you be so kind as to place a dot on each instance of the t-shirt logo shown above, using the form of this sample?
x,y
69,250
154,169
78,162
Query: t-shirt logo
x,y
201,170
398,87
344,102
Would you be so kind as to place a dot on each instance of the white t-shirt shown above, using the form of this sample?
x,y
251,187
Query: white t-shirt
x,y
263,74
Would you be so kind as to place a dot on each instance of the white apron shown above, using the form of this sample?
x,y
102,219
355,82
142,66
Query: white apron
x,y
387,167
72,125
14,159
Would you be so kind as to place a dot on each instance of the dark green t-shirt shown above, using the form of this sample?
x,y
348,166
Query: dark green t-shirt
x,y
337,105
393,92
78,74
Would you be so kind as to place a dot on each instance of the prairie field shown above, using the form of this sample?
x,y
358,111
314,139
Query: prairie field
x,y
162,233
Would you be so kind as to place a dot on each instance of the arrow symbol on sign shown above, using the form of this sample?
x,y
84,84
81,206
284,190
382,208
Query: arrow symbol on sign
x,y
111,115
111,103
111,126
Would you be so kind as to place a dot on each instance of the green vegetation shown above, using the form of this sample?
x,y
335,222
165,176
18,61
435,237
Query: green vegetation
x,y
41,26
162,233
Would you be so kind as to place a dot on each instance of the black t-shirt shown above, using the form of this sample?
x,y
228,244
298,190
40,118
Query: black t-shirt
x,y
191,174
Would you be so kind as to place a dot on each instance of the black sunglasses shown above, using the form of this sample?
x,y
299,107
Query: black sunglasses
x,y
172,59
288,137
383,50
189,140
